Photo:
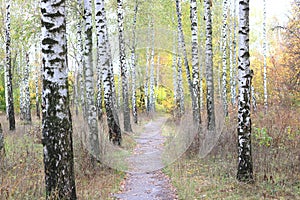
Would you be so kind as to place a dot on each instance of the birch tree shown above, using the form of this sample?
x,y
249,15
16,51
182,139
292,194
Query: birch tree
x,y
209,67
195,60
186,64
174,68
113,125
57,123
232,48
265,54
180,94
1,143
8,72
126,110
99,79
89,82
27,102
151,92
146,85
37,93
224,57
245,165
133,64
79,58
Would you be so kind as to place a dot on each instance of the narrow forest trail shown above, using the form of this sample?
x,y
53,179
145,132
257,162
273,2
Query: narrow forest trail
x,y
145,179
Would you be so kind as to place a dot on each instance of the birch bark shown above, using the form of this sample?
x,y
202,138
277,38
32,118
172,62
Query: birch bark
x,y
245,165
126,110
57,122
8,72
209,68
27,103
224,57
104,63
265,54
89,83
195,61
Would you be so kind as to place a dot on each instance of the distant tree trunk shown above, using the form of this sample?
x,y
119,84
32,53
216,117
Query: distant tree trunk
x,y
133,65
209,68
126,110
114,128
201,79
75,88
57,122
245,165
231,58
174,67
89,83
195,61
79,58
112,78
180,94
224,58
265,54
1,143
100,42
8,73
27,106
157,71
253,98
234,56
152,98
186,64
146,89
37,93
21,85
99,79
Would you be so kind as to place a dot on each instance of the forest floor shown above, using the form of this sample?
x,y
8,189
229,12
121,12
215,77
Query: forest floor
x,y
144,179
157,161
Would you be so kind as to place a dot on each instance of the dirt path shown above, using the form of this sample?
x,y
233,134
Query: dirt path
x,y
145,179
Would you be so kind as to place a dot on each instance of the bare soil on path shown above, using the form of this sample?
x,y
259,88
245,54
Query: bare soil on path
x,y
144,179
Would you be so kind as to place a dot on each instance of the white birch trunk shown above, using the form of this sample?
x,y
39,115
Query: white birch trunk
x,y
27,103
265,54
79,58
231,55
151,94
21,85
37,78
99,76
126,110
104,63
224,57
133,65
180,93
209,68
245,165
201,78
57,122
195,61
234,55
9,99
146,89
89,83
186,64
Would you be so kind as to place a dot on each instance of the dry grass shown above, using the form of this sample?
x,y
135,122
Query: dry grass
x,y
276,151
22,172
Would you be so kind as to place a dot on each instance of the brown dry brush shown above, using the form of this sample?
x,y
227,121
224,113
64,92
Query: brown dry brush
x,y
275,146
22,172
